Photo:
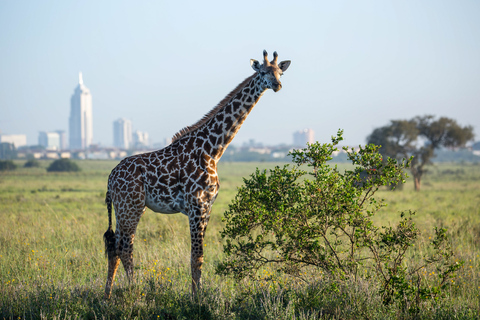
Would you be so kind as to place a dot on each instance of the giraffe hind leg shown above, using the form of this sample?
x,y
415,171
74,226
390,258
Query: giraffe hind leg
x,y
113,263
126,255
122,251
119,247
125,239
113,260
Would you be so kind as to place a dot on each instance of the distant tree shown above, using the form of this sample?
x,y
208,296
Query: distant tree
x,y
419,137
63,165
7,151
7,165
32,163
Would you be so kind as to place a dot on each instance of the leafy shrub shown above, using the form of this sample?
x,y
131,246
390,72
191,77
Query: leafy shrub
x,y
63,165
7,165
297,220
32,163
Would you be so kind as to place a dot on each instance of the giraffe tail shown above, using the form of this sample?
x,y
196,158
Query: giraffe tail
x,y
109,236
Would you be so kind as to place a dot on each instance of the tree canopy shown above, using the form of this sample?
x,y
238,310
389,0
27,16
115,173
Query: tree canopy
x,y
419,137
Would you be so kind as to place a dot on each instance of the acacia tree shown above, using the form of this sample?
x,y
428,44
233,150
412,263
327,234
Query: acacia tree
x,y
419,137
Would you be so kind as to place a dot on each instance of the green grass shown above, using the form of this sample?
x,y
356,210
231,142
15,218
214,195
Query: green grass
x,y
52,262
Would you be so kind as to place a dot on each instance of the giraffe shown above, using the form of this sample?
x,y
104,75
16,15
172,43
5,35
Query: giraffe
x,y
182,177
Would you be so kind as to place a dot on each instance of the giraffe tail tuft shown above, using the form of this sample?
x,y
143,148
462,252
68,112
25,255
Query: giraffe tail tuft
x,y
109,239
109,236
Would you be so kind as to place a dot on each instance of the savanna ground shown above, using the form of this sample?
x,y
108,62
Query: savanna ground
x,y
52,262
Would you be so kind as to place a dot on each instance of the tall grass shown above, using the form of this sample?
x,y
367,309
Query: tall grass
x,y
52,263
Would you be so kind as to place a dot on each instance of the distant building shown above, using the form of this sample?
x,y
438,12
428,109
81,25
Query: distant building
x,y
49,140
122,133
81,120
300,138
476,148
251,143
53,140
63,139
8,151
18,140
140,139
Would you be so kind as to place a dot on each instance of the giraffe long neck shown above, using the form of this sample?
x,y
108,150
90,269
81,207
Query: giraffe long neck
x,y
223,127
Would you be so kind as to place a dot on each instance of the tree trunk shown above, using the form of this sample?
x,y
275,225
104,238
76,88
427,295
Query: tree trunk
x,y
416,182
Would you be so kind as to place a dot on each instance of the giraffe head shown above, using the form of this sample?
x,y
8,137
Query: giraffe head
x,y
270,71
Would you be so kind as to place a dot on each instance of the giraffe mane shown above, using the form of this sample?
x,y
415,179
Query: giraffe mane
x,y
212,112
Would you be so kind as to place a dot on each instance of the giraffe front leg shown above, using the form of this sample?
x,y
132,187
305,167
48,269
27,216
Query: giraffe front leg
x,y
196,263
198,226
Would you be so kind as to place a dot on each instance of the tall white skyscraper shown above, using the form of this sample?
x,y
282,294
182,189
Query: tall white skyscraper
x,y
81,124
122,133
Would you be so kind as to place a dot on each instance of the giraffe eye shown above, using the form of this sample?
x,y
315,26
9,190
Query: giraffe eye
x,y
262,73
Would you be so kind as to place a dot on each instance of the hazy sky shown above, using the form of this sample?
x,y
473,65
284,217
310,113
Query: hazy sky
x,y
355,64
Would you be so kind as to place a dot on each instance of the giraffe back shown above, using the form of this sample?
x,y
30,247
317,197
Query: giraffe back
x,y
164,179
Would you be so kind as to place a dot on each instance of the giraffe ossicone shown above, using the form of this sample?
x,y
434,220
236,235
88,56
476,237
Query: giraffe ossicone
x,y
182,177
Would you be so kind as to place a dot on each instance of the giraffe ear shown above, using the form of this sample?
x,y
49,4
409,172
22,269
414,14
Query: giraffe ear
x,y
255,64
284,65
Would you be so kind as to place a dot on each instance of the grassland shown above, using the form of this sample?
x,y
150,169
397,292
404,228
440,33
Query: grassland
x,y
52,263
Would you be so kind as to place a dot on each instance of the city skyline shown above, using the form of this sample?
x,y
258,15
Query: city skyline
x,y
81,135
355,65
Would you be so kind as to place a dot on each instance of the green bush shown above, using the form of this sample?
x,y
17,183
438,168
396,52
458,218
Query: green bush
x,y
7,165
320,220
32,163
63,165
